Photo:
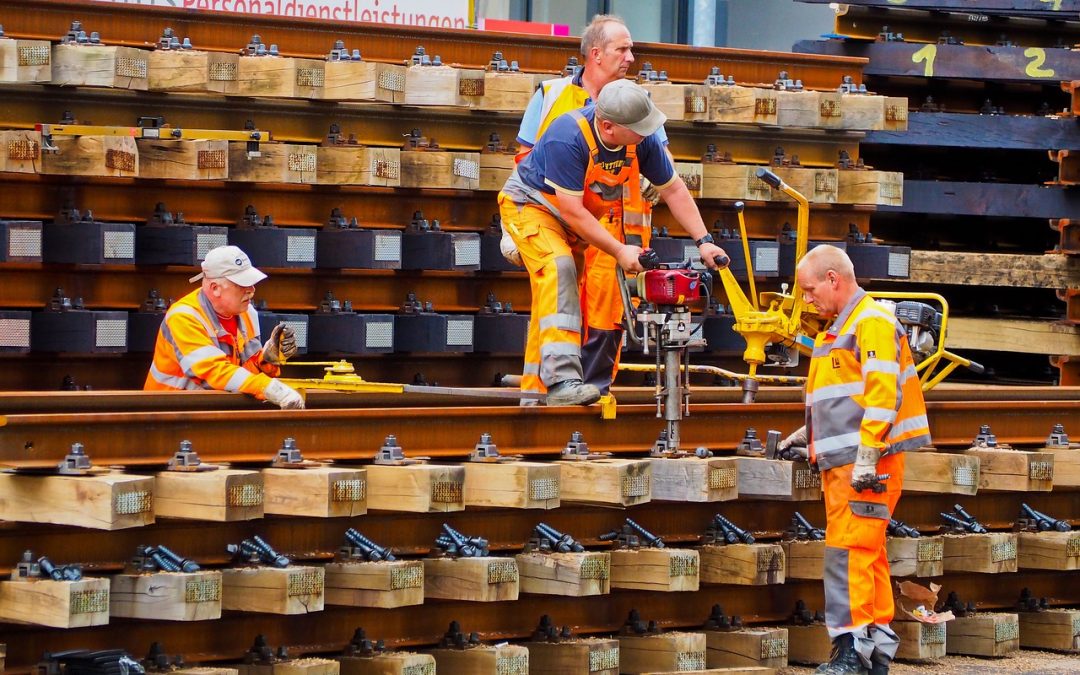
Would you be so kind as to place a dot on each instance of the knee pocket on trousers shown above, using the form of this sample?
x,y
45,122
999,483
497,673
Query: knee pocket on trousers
x,y
861,531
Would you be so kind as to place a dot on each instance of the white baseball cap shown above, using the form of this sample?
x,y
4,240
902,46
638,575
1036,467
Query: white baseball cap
x,y
229,262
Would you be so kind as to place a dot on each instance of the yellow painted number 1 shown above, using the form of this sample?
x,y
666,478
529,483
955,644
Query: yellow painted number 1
x,y
928,54
1038,58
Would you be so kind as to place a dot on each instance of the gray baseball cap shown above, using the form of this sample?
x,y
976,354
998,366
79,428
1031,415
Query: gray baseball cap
x,y
627,104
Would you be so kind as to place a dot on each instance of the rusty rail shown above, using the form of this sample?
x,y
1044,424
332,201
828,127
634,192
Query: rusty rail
x,y
149,438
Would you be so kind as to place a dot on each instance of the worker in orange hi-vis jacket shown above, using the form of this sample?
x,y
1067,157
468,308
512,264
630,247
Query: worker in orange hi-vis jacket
x,y
209,339
864,408
606,50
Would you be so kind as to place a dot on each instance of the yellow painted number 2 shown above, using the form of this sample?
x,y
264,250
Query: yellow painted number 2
x,y
928,54
1038,58
1055,5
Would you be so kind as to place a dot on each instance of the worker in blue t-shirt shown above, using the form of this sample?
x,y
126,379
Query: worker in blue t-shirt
x,y
588,161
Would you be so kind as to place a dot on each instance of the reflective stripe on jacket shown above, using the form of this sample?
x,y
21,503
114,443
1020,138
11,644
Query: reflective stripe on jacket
x,y
193,351
862,387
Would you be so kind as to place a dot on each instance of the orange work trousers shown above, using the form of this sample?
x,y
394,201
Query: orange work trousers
x,y
554,258
858,591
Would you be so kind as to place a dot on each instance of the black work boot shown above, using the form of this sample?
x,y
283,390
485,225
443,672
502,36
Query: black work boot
x,y
843,660
879,664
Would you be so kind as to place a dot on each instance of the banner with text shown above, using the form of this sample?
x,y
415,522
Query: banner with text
x,y
438,13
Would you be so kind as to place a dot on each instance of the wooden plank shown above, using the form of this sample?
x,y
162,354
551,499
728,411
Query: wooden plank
x,y
809,644
596,656
764,647
656,569
111,501
1057,629
985,553
992,64
513,485
389,663
805,559
999,132
60,604
483,579
1005,270
1013,335
386,584
1005,470
665,652
992,635
624,482
500,659
971,29
919,641
169,596
25,60
221,495
743,564
1057,9
690,479
419,487
1048,550
922,557
778,479
941,472
987,199
319,492
572,574
292,590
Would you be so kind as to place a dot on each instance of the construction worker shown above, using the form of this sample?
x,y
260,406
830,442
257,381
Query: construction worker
x,y
550,205
209,338
864,408
606,50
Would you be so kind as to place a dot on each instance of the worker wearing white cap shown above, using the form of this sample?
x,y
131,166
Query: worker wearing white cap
x,y
550,205
209,338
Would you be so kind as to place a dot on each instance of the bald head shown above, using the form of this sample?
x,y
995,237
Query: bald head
x,y
820,259
826,278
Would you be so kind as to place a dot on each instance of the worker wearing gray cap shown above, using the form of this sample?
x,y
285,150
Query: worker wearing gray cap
x,y
550,205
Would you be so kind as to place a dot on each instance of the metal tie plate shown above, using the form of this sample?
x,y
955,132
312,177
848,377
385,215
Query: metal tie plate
x,y
603,659
307,581
202,590
89,601
244,495
502,571
410,575
132,502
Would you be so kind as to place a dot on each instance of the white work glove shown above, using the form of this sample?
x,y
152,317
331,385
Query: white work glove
x,y
866,459
649,192
280,345
509,249
284,396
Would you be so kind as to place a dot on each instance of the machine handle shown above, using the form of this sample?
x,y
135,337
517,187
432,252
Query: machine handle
x,y
976,368
649,259
769,177
721,261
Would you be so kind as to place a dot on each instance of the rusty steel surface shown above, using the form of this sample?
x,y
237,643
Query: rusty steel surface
x,y
149,438
141,26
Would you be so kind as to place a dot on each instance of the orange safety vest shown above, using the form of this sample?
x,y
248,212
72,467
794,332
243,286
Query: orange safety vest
x,y
193,351
862,387
615,197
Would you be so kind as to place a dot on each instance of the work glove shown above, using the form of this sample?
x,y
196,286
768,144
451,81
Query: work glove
x,y
797,438
280,345
649,192
283,396
509,249
865,469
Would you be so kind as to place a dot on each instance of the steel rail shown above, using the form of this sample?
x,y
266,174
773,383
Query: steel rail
x,y
924,25
142,25
150,438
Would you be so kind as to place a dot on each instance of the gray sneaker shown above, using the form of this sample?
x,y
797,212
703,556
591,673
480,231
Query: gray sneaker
x,y
572,392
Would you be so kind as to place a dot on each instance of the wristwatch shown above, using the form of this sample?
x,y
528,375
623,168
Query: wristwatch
x,y
707,239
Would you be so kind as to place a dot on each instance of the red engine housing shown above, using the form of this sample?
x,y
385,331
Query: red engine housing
x,y
669,286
